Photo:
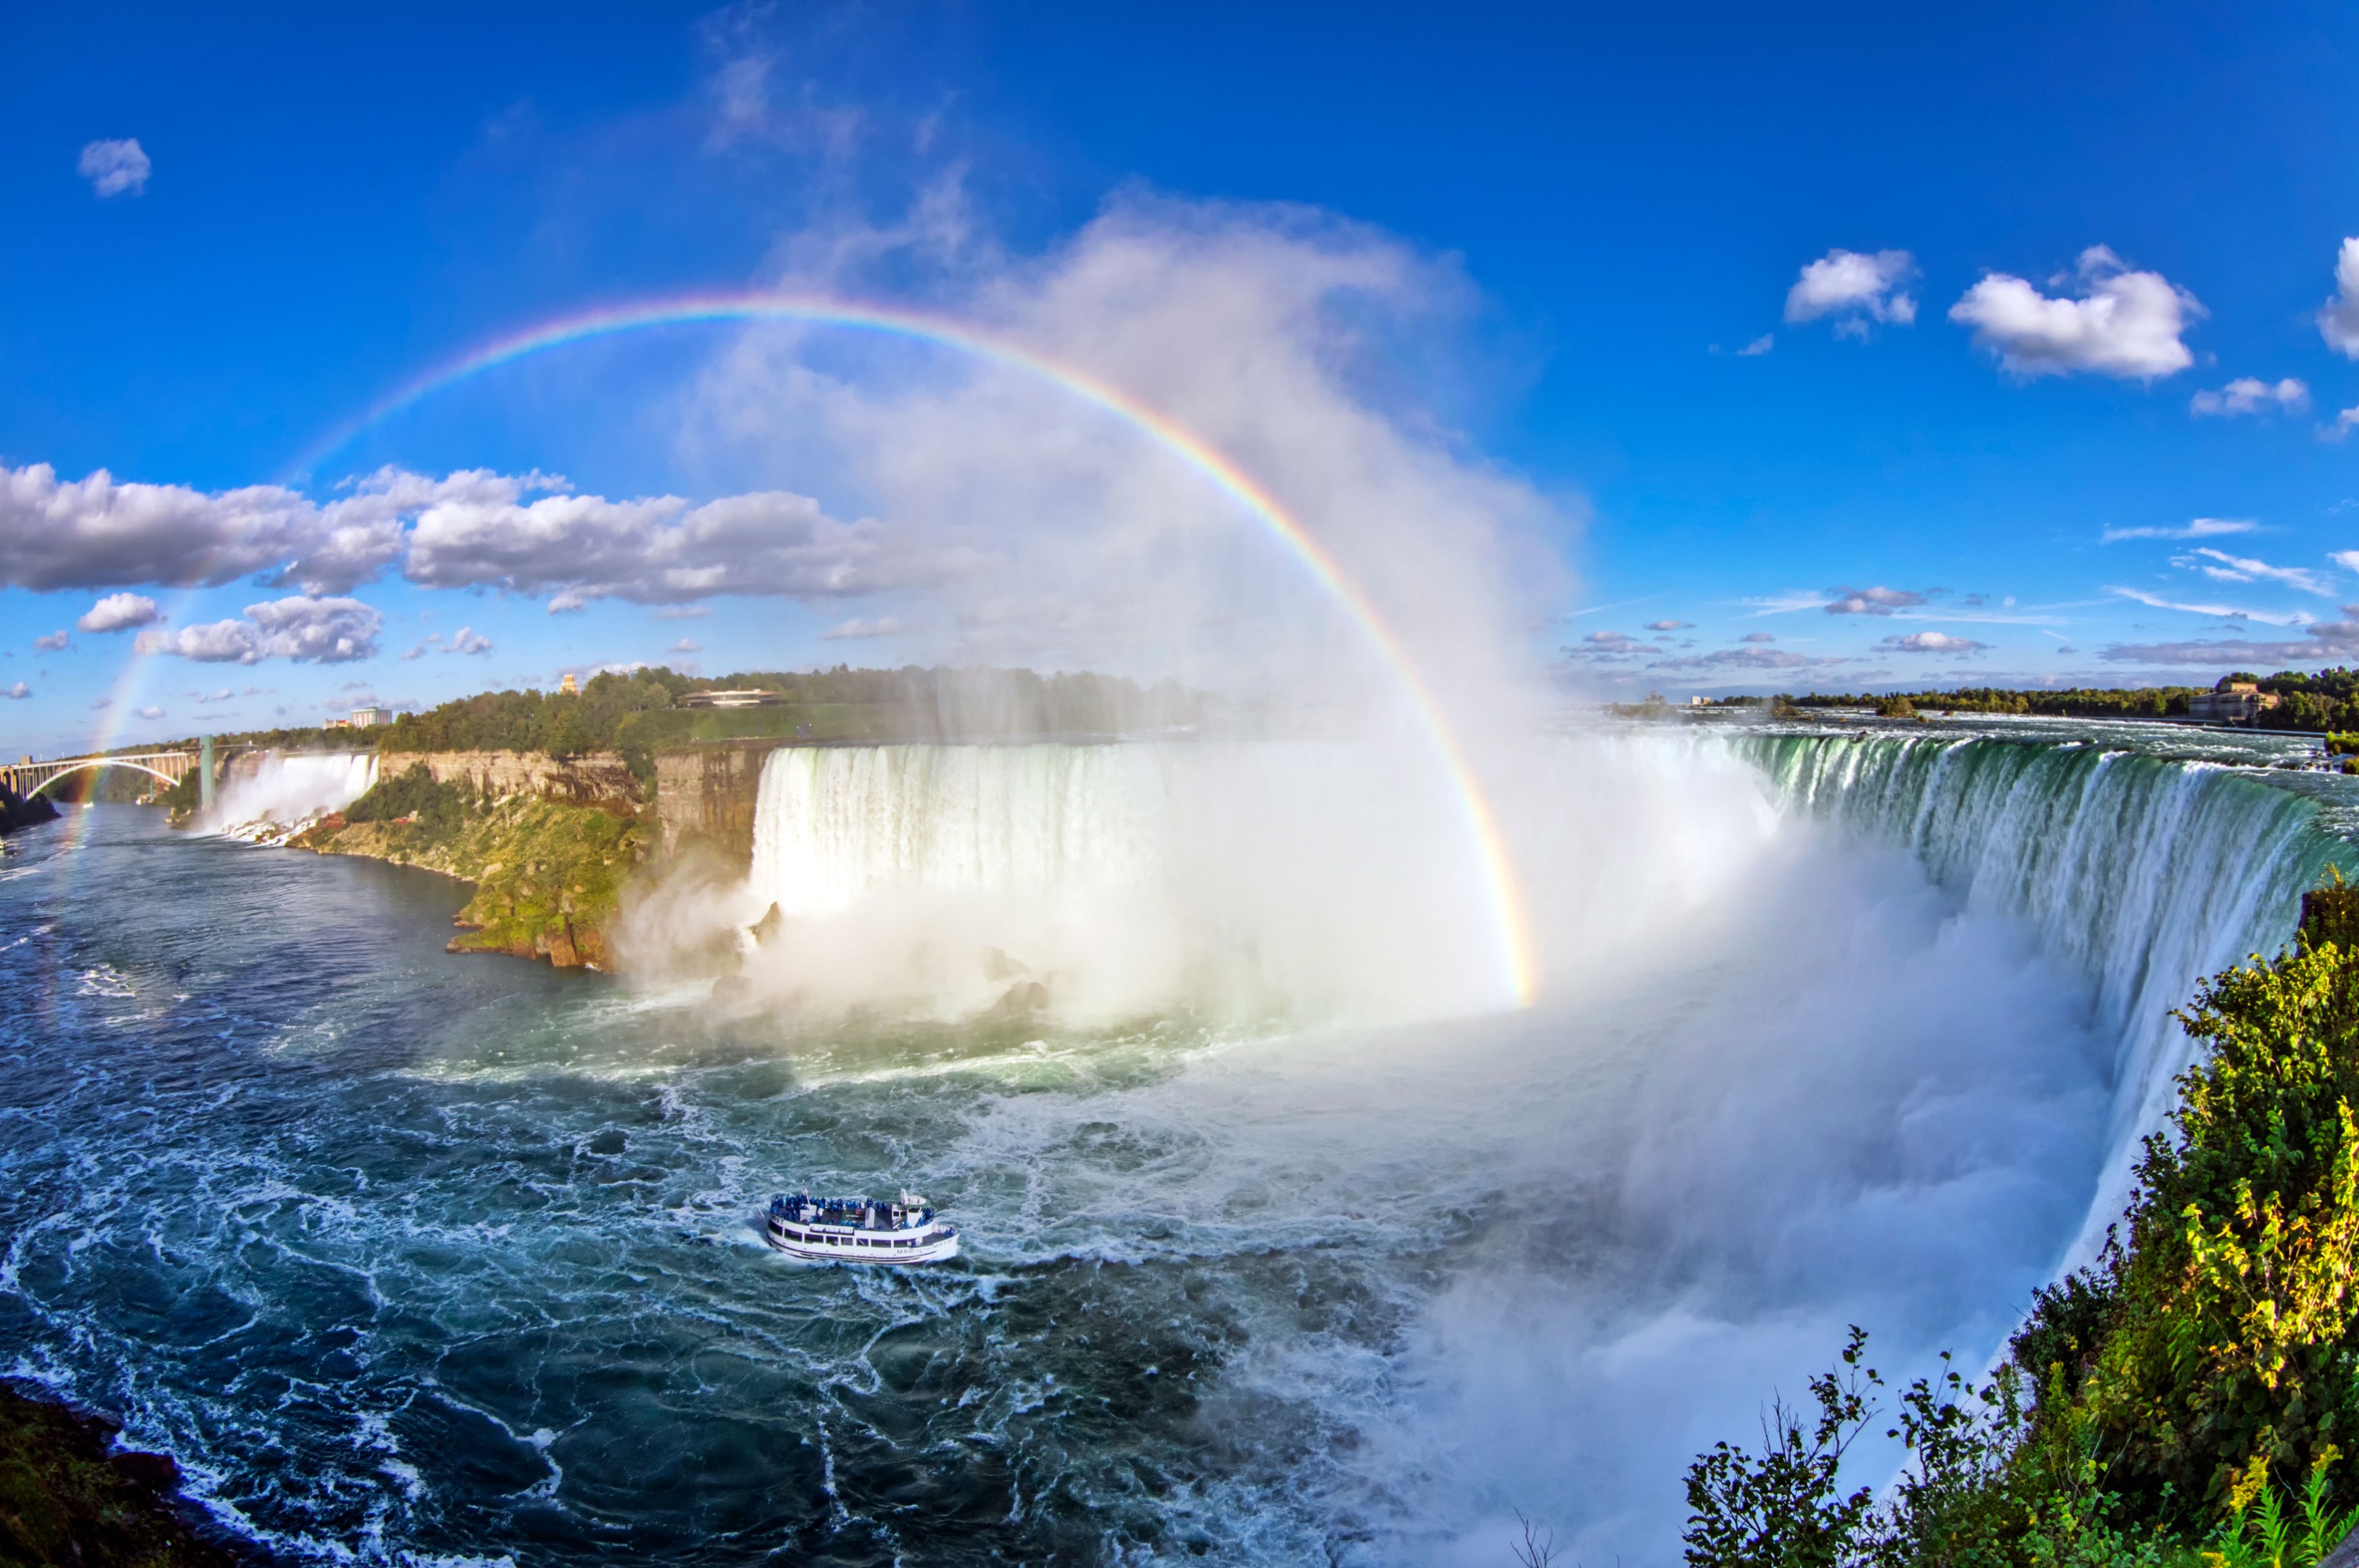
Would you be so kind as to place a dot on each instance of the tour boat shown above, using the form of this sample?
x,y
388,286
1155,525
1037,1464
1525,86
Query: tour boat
x,y
854,1230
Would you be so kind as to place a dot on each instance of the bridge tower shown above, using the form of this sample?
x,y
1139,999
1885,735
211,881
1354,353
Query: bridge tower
x,y
205,775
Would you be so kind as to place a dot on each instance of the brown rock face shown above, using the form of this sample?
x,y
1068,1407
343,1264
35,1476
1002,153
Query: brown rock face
x,y
707,795
598,778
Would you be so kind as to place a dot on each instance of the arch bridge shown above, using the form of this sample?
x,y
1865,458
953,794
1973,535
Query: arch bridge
x,y
28,779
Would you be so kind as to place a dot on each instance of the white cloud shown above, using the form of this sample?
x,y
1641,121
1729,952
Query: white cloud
x,y
886,626
1668,625
2121,323
2226,611
96,533
683,612
2246,395
1758,346
1871,601
657,550
2338,323
120,613
1860,287
685,645
1932,642
2344,422
327,631
53,642
18,690
1749,658
2336,640
114,166
2202,527
151,713
469,529
467,639
2242,569
1759,636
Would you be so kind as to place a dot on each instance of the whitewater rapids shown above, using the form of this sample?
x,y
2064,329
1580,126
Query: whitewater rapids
x,y
412,1257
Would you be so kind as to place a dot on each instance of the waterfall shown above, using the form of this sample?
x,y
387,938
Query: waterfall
x,y
2146,874
1300,877
270,792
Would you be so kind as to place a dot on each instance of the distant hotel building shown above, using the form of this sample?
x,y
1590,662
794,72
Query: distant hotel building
x,y
2230,703
756,699
369,718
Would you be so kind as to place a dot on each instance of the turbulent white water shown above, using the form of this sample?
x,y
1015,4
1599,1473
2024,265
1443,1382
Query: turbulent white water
x,y
2143,873
283,788
1304,878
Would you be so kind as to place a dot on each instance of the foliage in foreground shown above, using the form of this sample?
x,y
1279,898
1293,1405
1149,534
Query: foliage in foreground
x,y
2192,1398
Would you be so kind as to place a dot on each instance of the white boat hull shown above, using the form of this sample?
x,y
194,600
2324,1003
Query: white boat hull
x,y
820,1244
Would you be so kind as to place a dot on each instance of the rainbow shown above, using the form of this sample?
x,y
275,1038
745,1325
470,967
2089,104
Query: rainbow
x,y
1516,948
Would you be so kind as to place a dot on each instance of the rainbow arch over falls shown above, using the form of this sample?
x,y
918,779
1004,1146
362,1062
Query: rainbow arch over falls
x,y
1517,960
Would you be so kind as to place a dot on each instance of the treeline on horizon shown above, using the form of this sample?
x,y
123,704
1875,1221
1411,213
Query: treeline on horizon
x,y
641,710
2326,702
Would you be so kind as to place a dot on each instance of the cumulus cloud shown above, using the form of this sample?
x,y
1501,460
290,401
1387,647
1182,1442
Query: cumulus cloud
x,y
115,167
2224,568
481,532
2338,323
322,630
2247,395
120,613
469,529
96,533
18,690
1860,288
2337,640
2119,321
2202,527
467,639
685,645
1668,625
1758,346
1757,637
1748,659
2344,422
856,627
151,713
1932,642
1876,601
53,642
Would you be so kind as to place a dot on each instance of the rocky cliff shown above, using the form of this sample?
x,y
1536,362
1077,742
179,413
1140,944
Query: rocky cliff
x,y
705,797
598,778
15,812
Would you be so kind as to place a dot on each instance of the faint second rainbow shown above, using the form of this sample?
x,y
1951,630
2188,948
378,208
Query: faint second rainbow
x,y
1513,932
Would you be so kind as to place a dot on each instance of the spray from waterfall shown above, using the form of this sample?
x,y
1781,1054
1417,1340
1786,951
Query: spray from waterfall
x,y
271,795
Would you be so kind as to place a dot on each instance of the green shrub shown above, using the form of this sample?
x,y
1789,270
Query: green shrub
x,y
412,793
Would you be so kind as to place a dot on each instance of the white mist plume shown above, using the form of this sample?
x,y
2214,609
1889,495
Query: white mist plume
x,y
1291,341
287,788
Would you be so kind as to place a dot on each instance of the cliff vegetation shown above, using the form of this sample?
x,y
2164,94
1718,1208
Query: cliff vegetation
x,y
2192,1398
548,875
67,1498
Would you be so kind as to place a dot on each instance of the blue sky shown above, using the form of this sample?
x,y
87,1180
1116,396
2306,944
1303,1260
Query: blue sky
x,y
1587,217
